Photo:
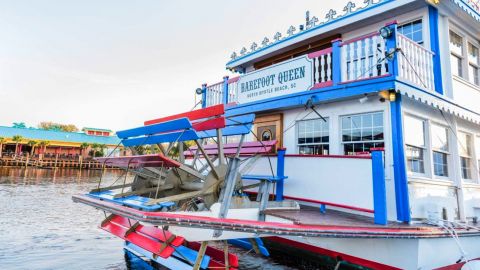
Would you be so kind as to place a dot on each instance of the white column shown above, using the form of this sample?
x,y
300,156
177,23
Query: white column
x,y
456,172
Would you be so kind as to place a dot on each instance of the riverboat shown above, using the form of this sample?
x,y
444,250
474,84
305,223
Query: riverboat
x,y
355,139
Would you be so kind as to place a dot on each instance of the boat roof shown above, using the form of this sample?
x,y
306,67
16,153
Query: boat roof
x,y
352,18
51,135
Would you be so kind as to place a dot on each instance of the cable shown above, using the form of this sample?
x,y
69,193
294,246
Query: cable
x,y
450,126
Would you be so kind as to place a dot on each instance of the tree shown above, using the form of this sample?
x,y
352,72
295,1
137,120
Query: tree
x,y
2,141
94,147
57,127
17,139
32,143
102,148
19,125
44,145
83,147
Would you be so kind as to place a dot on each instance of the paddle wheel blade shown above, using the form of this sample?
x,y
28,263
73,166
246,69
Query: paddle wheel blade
x,y
152,239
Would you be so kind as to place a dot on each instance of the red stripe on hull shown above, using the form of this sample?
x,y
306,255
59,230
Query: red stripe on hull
x,y
457,266
333,254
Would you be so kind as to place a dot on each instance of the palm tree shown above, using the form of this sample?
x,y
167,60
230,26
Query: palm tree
x,y
83,147
44,145
2,141
32,143
102,147
17,139
94,147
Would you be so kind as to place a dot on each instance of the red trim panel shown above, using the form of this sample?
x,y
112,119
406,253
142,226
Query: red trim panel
x,y
210,124
457,266
333,254
321,52
193,115
331,204
330,156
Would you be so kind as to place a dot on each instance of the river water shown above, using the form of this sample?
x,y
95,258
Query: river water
x,y
41,228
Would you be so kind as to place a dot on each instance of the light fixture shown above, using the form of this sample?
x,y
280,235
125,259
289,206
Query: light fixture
x,y
199,91
387,95
363,100
386,32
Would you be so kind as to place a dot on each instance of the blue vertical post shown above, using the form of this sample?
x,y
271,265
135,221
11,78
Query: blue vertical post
x,y
399,163
379,189
336,61
391,46
435,48
204,95
280,173
225,90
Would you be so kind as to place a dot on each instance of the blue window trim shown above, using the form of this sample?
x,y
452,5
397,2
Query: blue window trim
x,y
435,48
399,164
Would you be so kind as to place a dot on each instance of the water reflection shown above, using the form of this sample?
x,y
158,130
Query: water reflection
x,y
41,228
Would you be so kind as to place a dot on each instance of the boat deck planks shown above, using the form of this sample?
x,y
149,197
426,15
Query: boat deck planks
x,y
312,216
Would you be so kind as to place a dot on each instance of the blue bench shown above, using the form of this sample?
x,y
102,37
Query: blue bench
x,y
190,126
134,201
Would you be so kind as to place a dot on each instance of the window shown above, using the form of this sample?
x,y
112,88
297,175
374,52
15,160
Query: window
x,y
440,150
362,132
415,144
313,137
464,149
413,31
477,147
456,54
473,64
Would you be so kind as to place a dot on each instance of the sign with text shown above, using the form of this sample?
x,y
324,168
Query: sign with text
x,y
285,78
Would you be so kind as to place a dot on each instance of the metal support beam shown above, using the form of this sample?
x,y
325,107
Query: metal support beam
x,y
207,158
228,190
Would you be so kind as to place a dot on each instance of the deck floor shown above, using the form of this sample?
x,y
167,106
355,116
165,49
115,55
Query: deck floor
x,y
312,216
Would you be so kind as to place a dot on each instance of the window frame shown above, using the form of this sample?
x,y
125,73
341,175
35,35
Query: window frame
x,y
419,19
441,151
476,153
467,38
341,129
458,56
469,156
423,148
297,126
473,64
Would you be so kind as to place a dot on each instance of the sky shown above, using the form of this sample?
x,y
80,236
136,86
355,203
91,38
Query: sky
x,y
116,63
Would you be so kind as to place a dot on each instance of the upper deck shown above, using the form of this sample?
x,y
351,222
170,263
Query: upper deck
x,y
345,55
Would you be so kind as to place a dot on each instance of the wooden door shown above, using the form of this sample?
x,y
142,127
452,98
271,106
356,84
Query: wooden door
x,y
269,127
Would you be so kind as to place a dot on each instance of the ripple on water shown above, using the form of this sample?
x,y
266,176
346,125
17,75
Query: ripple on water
x,y
44,229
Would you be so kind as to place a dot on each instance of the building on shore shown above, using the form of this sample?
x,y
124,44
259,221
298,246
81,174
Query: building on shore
x,y
40,143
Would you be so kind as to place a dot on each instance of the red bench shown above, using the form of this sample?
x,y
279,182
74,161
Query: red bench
x,y
247,148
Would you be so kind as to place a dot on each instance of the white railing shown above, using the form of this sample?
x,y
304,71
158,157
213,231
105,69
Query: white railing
x,y
415,63
233,89
360,58
322,67
214,94
364,58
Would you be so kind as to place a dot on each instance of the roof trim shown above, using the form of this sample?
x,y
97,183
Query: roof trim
x,y
310,32
468,9
437,101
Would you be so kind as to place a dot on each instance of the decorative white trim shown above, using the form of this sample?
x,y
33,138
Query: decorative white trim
x,y
439,102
